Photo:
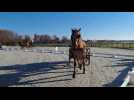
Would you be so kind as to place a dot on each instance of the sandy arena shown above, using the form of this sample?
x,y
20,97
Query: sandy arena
x,y
19,68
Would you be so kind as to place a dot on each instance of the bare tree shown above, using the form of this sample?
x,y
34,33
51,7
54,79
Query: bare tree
x,y
8,37
65,39
56,39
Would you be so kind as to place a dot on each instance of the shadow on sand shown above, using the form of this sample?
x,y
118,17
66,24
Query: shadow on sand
x,y
108,54
129,63
22,71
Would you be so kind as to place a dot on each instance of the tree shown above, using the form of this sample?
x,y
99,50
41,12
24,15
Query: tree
x,y
46,39
8,37
27,38
65,39
56,39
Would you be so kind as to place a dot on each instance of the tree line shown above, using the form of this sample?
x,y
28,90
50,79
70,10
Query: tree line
x,y
47,39
8,37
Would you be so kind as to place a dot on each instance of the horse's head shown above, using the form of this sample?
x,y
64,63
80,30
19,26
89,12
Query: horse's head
x,y
76,32
75,35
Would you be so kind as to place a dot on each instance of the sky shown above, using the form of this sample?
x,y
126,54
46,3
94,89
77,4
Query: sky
x,y
94,25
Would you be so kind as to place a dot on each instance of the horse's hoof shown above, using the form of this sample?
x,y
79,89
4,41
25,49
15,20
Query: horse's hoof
x,y
84,72
73,76
80,67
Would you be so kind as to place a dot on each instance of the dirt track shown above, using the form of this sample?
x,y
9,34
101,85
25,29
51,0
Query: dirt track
x,y
19,68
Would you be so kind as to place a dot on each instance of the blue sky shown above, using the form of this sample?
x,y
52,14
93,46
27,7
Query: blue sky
x,y
95,25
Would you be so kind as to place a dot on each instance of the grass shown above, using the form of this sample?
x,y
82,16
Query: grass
x,y
115,45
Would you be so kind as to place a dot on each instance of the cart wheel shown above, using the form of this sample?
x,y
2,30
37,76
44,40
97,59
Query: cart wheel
x,y
87,61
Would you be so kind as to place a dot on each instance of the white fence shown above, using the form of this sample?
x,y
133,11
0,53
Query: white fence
x,y
129,79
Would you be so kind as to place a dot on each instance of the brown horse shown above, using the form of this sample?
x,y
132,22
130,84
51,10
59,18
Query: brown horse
x,y
77,51
26,44
29,43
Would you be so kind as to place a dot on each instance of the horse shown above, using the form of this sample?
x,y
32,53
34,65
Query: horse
x,y
29,43
78,51
26,44
75,34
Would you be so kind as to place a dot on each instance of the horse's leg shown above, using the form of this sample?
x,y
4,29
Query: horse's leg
x,y
89,56
74,68
80,64
89,59
83,65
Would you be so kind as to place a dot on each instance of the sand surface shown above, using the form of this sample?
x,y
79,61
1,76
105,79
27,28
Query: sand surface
x,y
19,68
